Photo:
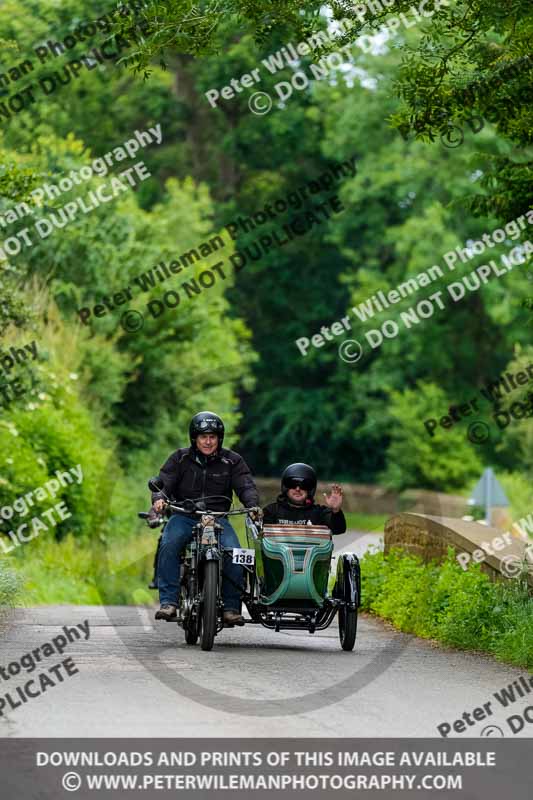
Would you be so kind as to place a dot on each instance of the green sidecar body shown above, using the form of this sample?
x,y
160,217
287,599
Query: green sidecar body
x,y
288,586
293,563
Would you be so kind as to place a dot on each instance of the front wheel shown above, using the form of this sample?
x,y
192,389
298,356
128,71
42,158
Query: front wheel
x,y
191,634
209,605
190,620
347,627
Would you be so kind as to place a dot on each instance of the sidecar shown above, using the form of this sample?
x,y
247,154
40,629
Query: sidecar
x,y
288,589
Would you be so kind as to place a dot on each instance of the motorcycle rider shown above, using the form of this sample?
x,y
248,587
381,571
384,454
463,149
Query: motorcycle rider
x,y
296,505
203,469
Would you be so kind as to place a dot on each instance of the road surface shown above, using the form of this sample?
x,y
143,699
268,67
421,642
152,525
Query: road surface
x,y
138,678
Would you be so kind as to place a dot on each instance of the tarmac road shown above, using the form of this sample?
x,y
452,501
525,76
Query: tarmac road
x,y
138,678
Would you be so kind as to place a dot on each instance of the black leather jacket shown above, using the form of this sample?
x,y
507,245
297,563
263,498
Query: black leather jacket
x,y
188,474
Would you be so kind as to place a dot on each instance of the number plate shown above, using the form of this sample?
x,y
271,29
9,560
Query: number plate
x,y
243,556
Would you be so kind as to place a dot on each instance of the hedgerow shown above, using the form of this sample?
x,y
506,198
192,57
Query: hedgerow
x,y
463,609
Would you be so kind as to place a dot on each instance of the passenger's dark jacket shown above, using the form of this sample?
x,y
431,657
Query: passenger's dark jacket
x,y
188,474
284,512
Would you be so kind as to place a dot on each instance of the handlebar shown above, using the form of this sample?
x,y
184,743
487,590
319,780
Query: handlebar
x,y
156,521
174,507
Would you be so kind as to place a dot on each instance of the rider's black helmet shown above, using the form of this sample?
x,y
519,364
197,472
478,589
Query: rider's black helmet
x,y
206,422
301,474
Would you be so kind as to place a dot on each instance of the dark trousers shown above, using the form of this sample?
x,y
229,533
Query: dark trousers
x,y
177,534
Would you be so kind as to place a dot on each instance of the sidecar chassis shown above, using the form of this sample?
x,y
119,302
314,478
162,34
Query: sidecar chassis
x,y
303,613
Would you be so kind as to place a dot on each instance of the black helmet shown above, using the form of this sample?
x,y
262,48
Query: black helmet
x,y
302,474
206,422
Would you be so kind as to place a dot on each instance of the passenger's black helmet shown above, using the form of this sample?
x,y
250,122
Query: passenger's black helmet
x,y
206,422
301,474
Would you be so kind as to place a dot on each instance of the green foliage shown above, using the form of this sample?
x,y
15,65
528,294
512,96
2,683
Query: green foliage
x,y
49,429
444,461
10,584
185,27
355,521
232,347
471,59
87,573
518,441
463,609
476,60
404,209
517,487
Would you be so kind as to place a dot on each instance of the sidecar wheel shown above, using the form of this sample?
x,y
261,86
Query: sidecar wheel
x,y
209,606
347,628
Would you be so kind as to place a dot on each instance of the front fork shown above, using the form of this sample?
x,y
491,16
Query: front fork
x,y
211,549
204,547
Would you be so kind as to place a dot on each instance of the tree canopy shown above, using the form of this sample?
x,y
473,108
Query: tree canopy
x,y
411,198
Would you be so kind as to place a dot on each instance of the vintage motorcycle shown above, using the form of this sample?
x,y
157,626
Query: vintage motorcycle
x,y
286,573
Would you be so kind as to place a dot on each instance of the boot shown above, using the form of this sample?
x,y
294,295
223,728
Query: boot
x,y
168,613
232,618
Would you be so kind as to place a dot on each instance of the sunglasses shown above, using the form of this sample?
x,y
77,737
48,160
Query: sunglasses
x,y
302,483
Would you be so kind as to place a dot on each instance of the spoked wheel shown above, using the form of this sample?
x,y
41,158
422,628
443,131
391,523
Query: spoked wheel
x,y
191,630
191,633
347,627
208,623
190,625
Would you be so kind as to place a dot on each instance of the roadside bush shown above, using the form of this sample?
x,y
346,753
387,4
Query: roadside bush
x,y
88,573
51,428
517,487
10,585
444,462
463,609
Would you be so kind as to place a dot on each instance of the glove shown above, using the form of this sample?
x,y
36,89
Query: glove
x,y
154,518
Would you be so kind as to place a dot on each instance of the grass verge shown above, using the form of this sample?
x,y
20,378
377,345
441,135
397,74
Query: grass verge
x,y
79,572
10,585
463,609
369,523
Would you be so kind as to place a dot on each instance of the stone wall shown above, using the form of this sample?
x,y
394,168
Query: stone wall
x,y
357,497
438,504
370,499
429,537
